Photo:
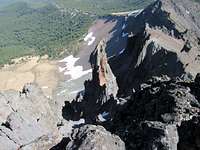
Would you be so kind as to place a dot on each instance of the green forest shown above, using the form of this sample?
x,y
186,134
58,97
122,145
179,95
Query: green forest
x,y
41,27
104,7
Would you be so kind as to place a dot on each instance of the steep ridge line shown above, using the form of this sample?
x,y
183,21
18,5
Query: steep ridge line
x,y
145,98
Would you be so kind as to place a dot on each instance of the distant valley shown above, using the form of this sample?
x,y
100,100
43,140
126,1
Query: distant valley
x,y
51,27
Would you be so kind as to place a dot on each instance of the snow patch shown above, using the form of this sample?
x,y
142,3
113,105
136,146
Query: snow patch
x,y
61,69
91,41
90,38
70,59
75,72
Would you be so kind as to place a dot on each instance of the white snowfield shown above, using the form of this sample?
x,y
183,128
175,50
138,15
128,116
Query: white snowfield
x,y
90,38
75,72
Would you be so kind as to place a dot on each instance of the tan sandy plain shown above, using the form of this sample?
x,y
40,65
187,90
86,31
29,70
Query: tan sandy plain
x,y
30,70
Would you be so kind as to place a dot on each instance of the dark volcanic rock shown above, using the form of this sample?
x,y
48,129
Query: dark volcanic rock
x,y
163,40
166,102
154,117
157,97
91,137
197,79
155,136
159,136
189,135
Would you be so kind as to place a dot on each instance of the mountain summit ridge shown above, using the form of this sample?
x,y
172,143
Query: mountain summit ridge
x,y
157,76
147,96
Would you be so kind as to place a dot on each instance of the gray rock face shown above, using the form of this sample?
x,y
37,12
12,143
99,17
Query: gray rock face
x,y
7,143
27,121
91,137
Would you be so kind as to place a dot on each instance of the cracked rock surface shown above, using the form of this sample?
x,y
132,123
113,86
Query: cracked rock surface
x,y
26,123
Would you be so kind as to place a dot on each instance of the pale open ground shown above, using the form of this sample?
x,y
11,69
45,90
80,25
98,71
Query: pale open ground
x,y
67,76
32,70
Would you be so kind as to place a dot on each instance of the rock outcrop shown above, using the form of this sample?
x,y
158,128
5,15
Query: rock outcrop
x,y
155,115
102,73
158,97
91,137
100,92
189,136
146,98
163,114
163,40
27,120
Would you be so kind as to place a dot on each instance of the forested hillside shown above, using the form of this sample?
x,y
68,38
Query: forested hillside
x,y
26,30
104,6
49,27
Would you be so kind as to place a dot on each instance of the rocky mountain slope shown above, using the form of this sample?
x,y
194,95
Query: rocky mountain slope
x,y
145,98
164,39
162,51
27,120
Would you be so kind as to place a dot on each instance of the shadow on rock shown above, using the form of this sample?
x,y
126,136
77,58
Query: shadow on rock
x,y
189,134
62,145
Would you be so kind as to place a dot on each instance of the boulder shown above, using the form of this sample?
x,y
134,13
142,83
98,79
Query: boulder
x,y
91,137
